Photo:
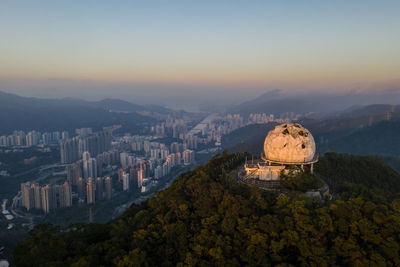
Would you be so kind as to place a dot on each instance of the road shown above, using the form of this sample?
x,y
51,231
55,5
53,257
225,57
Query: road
x,y
41,177
203,124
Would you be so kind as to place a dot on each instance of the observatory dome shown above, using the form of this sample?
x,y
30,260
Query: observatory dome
x,y
289,143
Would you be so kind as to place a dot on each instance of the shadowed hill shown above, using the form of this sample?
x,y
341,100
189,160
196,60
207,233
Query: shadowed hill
x,y
381,138
23,113
247,139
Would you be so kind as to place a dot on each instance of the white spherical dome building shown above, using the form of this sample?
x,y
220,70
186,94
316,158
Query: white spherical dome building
x,y
289,143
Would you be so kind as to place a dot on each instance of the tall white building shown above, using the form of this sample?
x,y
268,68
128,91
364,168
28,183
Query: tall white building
x,y
49,201
27,192
89,165
32,138
125,181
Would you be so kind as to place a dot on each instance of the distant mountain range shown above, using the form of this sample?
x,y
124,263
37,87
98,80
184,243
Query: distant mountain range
x,y
25,113
320,103
13,100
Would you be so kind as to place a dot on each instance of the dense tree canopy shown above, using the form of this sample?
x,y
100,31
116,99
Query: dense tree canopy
x,y
207,218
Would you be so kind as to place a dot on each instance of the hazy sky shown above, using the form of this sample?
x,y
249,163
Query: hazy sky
x,y
195,45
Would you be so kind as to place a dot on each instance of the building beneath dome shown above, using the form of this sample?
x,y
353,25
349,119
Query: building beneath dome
x,y
287,146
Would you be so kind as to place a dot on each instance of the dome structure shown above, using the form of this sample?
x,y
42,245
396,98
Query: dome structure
x,y
289,143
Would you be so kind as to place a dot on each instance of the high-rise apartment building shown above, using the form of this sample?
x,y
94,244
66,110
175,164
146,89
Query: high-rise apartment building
x,y
66,199
108,187
37,195
188,157
99,188
140,176
47,198
74,171
81,187
32,138
64,135
89,165
69,151
27,193
3,140
49,201
124,159
125,181
96,143
90,191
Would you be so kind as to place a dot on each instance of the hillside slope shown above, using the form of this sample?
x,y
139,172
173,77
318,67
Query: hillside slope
x,y
206,218
247,139
381,138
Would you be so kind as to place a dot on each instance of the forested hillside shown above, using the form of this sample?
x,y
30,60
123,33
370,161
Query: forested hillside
x,y
381,138
206,218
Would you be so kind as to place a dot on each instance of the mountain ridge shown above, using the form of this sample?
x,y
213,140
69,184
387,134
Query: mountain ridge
x,y
8,99
24,113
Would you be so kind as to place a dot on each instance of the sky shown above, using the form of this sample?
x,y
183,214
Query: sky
x,y
174,51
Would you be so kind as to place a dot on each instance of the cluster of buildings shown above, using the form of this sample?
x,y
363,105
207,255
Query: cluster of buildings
x,y
144,160
52,196
259,118
72,150
172,127
47,198
33,138
141,172
90,166
85,174
90,155
92,190
212,128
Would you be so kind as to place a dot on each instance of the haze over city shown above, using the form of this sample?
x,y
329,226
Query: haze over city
x,y
179,53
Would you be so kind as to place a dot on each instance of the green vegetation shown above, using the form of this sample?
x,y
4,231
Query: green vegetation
x,y
380,138
10,237
207,218
343,170
13,162
299,180
393,161
102,211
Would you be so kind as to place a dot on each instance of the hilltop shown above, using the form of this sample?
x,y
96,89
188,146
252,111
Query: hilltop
x,y
207,218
